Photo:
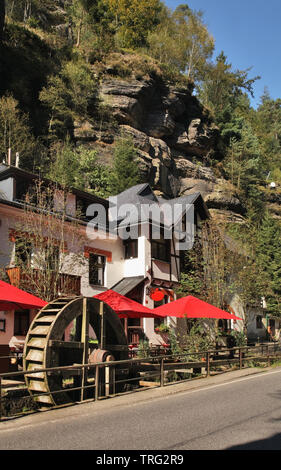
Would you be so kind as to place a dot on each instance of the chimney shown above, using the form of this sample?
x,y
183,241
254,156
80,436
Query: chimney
x,y
9,156
17,159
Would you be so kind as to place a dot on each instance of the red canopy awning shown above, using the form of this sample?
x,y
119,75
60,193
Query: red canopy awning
x,y
124,307
191,307
12,298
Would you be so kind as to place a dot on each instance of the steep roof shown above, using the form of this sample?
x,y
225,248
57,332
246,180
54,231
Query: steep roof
x,y
142,200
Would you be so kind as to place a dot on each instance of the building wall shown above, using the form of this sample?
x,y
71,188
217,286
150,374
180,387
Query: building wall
x,y
137,266
7,189
8,335
253,333
6,247
74,261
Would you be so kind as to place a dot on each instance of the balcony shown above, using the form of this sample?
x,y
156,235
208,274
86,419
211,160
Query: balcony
x,y
67,284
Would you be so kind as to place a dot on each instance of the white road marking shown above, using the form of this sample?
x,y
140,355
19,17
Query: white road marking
x,y
233,381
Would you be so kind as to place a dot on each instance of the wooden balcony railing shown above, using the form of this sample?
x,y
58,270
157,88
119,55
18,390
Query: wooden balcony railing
x,y
67,284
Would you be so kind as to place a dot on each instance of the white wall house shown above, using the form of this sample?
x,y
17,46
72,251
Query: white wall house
x,y
134,267
257,322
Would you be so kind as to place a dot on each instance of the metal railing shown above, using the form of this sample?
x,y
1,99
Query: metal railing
x,y
140,373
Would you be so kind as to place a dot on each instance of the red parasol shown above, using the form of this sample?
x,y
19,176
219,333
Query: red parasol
x,y
191,307
124,307
12,298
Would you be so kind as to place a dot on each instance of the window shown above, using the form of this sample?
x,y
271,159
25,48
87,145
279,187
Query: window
x,y
131,249
21,323
96,269
259,322
223,325
2,324
161,249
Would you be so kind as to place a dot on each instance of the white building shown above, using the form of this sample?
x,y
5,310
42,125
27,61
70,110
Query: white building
x,y
134,267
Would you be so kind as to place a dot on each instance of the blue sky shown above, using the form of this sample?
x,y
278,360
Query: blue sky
x,y
249,33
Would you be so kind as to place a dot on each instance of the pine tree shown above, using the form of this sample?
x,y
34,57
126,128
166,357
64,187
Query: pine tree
x,y
125,171
268,255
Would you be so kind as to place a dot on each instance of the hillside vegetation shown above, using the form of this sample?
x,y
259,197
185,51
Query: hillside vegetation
x,y
55,54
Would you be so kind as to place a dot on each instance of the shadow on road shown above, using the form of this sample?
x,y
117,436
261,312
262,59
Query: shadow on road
x,y
272,443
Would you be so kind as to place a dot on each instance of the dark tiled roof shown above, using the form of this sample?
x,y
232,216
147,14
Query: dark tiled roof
x,y
142,198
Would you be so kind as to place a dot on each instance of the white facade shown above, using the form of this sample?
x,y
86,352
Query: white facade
x,y
254,319
150,273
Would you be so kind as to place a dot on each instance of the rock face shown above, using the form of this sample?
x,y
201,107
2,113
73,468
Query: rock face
x,y
175,138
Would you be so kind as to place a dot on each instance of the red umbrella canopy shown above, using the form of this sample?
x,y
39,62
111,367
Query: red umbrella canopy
x,y
191,307
12,298
124,307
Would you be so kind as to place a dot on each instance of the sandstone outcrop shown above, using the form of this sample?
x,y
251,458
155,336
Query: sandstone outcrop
x,y
175,138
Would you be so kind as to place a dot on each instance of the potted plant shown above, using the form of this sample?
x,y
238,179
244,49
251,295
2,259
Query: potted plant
x,y
163,328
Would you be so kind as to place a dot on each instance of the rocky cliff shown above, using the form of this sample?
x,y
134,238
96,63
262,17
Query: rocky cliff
x,y
176,138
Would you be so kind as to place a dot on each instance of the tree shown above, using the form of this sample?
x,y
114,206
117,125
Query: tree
x,y
217,263
57,99
205,268
37,13
268,255
64,168
15,133
43,235
192,280
182,41
79,168
125,171
222,87
70,94
223,263
256,271
244,159
91,23
196,42
268,129
133,20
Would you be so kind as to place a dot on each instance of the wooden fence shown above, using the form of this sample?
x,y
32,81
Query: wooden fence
x,y
142,373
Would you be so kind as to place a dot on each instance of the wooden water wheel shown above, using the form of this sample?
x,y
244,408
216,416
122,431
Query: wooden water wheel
x,y
48,345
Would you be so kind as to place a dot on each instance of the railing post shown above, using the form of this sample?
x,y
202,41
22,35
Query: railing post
x,y
240,358
113,380
268,358
97,383
208,363
162,373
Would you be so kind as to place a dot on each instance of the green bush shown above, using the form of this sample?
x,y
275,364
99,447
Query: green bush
x,y
143,349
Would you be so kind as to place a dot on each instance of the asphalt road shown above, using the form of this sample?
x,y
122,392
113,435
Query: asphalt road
x,y
241,414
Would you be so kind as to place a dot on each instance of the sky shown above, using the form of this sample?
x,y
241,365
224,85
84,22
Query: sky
x,y
249,33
